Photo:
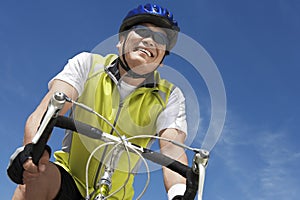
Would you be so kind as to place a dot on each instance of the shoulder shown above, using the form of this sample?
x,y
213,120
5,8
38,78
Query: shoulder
x,y
177,92
176,96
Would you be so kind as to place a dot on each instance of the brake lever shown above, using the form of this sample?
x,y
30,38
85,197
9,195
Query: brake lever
x,y
201,157
200,162
55,105
195,176
40,140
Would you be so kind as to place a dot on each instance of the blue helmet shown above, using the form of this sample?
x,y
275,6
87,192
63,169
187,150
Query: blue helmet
x,y
154,14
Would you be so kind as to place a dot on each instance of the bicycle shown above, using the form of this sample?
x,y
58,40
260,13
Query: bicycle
x,y
194,174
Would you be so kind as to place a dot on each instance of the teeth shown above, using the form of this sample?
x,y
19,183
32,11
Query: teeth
x,y
145,51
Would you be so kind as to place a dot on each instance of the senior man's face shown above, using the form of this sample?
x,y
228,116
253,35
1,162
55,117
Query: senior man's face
x,y
144,53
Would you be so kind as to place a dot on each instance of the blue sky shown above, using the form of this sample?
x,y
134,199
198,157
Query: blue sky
x,y
254,44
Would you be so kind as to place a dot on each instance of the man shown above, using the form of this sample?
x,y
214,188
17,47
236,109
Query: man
x,y
127,90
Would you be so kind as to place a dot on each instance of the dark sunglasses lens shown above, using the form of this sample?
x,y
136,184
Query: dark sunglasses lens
x,y
143,32
157,37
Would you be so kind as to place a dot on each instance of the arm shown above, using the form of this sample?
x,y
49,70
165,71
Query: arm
x,y
171,178
31,171
172,125
34,179
69,81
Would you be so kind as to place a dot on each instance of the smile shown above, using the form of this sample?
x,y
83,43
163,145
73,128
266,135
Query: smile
x,y
145,51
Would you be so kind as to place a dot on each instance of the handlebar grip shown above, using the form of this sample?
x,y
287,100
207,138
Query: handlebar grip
x,y
166,161
191,185
176,166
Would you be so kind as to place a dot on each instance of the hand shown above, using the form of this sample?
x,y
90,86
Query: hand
x,y
21,161
31,171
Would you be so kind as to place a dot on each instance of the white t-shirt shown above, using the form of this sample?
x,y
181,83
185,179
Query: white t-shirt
x,y
76,73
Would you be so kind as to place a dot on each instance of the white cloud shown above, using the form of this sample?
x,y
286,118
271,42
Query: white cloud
x,y
258,164
279,177
10,85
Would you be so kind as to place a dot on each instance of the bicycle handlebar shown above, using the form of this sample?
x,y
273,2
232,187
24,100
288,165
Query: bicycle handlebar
x,y
174,165
190,173
90,131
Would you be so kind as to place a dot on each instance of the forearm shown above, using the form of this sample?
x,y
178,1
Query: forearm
x,y
171,178
34,120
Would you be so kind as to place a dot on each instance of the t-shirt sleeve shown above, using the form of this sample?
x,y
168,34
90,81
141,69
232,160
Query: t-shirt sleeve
x,y
174,115
75,72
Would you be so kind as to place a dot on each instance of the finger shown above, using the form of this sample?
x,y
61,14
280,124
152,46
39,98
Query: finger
x,y
29,166
29,177
45,158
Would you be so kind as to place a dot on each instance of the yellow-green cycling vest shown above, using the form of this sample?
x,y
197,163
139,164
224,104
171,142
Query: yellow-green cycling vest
x,y
135,115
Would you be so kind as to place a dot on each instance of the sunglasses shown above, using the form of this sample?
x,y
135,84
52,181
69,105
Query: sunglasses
x,y
146,32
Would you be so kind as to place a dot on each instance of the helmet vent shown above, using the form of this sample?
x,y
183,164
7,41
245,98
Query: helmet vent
x,y
155,8
147,7
168,14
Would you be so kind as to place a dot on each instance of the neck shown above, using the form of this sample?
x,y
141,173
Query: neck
x,y
128,79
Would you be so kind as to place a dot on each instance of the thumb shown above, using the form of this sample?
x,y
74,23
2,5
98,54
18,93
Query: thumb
x,y
43,162
42,167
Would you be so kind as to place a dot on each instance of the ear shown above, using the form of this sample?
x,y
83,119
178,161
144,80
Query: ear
x,y
120,43
121,39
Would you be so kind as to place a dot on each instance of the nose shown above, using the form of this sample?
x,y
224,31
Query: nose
x,y
148,42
